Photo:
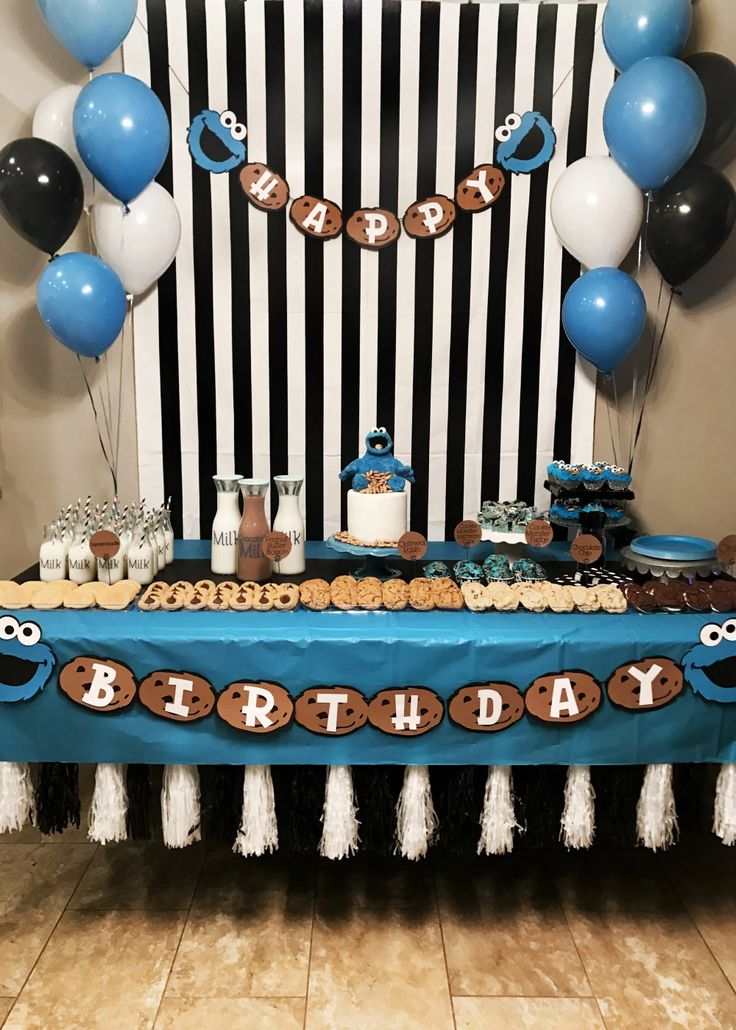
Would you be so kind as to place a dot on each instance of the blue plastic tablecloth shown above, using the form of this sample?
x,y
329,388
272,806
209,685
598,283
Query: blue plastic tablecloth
x,y
369,651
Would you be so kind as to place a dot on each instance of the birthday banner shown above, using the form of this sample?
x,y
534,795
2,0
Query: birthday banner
x,y
367,688
364,191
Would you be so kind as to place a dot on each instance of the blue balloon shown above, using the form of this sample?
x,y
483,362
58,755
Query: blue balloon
x,y
82,301
653,119
604,314
122,133
89,29
635,29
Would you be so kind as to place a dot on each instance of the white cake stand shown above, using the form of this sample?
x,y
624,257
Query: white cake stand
x,y
510,544
662,569
375,564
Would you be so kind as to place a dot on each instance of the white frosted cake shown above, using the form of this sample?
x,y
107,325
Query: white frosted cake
x,y
378,503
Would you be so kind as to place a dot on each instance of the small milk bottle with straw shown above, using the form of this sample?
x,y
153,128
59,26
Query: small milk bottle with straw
x,y
52,556
168,533
82,563
140,555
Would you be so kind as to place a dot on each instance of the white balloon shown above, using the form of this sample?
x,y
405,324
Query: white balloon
x,y
597,211
53,122
141,244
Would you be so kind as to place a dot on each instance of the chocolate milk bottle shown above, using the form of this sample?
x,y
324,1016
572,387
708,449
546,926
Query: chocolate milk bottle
x,y
252,565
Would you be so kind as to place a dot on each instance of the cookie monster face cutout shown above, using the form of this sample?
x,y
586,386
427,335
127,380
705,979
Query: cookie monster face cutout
x,y
217,141
710,666
25,663
526,142
378,441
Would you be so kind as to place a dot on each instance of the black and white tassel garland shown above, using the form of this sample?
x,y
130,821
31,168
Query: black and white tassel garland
x,y
16,795
577,826
258,832
498,820
180,806
339,815
724,815
109,808
656,816
57,797
416,819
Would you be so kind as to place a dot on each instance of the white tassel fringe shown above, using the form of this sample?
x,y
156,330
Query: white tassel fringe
x,y
258,831
16,795
416,819
109,805
656,817
498,821
339,815
577,826
180,812
724,816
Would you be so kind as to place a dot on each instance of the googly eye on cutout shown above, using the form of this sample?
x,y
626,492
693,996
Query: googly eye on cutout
x,y
8,628
238,131
728,630
29,633
375,429
503,134
381,429
513,121
228,119
710,635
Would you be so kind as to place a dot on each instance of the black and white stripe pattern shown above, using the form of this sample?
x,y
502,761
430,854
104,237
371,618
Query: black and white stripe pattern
x,y
262,351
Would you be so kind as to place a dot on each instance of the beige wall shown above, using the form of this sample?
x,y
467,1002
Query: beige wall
x,y
49,452
48,446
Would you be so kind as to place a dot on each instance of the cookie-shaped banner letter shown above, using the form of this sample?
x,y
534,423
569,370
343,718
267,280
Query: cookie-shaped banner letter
x,y
647,683
405,712
563,697
480,189
263,188
100,684
255,707
486,707
372,227
320,219
181,696
429,219
331,711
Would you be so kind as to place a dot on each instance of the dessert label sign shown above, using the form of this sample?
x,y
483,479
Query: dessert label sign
x,y
468,533
586,549
727,549
538,533
276,546
412,546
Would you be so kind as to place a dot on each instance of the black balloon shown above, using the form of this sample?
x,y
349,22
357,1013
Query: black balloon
x,y
689,221
718,77
41,192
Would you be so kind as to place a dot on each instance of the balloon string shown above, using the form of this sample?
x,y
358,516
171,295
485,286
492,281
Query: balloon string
x,y
614,383
572,66
145,29
97,424
650,377
635,371
610,425
129,321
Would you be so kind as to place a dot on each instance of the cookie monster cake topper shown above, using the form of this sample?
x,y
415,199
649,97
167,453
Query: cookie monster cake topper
x,y
526,142
26,664
217,141
378,471
710,666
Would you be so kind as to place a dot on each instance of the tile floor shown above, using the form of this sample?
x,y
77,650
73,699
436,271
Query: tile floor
x,y
134,936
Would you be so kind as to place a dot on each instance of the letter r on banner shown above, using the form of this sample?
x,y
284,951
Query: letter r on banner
x,y
646,679
181,687
563,698
403,721
255,714
99,694
333,702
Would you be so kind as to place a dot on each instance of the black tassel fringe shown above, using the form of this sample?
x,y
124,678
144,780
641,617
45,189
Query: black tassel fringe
x,y
377,790
221,789
458,801
57,797
140,795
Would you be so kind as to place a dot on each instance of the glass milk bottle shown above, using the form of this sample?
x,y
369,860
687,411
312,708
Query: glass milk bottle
x,y
140,557
112,570
225,526
289,520
52,555
252,564
168,536
82,563
160,537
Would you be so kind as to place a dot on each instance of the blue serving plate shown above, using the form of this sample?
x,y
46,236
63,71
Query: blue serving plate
x,y
674,548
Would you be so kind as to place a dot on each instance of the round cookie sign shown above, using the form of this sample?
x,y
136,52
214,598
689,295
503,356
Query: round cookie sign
x,y
412,546
104,544
586,549
727,549
468,533
538,533
276,546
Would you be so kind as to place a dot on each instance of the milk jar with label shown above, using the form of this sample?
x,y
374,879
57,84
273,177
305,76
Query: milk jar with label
x,y
225,526
140,558
289,520
112,569
168,536
82,563
160,538
52,555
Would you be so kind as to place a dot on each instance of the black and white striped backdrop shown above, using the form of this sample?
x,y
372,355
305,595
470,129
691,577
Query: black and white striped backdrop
x,y
262,351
